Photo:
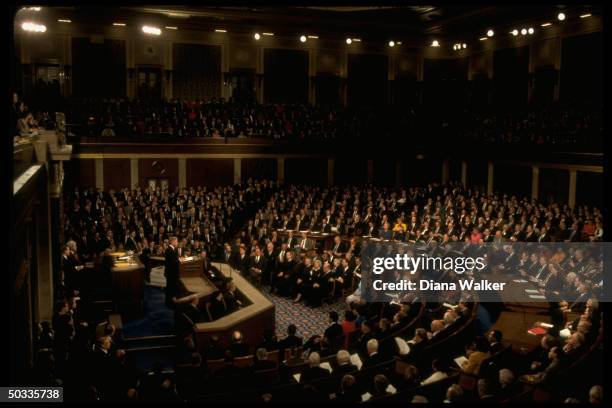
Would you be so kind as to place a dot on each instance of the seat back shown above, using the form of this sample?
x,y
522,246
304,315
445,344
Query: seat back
x,y
243,362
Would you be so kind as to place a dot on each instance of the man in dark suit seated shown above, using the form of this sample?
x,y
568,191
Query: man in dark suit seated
x,y
238,347
261,361
291,341
192,310
213,350
495,342
313,372
257,265
345,366
270,342
374,357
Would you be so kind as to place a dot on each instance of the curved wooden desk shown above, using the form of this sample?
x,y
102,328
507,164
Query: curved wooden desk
x,y
251,320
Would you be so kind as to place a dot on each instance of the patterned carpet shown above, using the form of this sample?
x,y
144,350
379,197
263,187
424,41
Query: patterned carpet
x,y
309,321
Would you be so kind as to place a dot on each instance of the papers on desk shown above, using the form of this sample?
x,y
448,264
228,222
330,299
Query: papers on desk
x,y
546,325
187,259
520,281
326,366
402,346
297,377
356,361
123,258
532,291
367,396
536,331
460,361
537,297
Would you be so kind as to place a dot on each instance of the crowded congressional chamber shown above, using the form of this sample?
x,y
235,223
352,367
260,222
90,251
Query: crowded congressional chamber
x,y
198,191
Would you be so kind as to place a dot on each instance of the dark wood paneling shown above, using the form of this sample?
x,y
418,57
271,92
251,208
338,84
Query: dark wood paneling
x,y
554,185
350,170
589,189
306,171
210,172
421,170
165,168
384,172
258,169
512,180
82,172
116,174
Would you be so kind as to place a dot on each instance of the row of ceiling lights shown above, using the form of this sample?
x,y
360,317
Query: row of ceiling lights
x,y
151,30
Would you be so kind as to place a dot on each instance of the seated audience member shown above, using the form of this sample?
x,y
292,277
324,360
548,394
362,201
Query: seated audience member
x,y
454,393
261,361
555,358
291,341
313,371
507,385
437,374
213,350
484,390
381,383
238,347
418,341
374,357
596,394
349,392
270,342
345,366
495,341
475,356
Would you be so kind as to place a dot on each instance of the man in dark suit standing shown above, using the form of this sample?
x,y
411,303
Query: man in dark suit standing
x,y
171,272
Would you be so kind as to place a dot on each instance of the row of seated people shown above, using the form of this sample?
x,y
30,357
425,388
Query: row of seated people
x,y
217,118
214,118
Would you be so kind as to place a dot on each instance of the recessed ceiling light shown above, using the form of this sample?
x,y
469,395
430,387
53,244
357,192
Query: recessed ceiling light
x,y
490,33
349,41
435,43
530,30
514,32
33,27
524,31
257,36
391,43
561,16
303,38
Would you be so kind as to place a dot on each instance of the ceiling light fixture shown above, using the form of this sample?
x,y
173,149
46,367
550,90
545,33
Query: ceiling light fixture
x,y
218,30
303,38
391,43
435,43
349,41
561,16
545,24
257,36
151,30
268,34
63,20
33,27
490,33
119,24
171,28
585,15
514,32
